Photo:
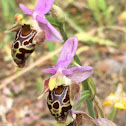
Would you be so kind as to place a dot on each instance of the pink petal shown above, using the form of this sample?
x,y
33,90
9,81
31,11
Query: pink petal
x,y
50,70
51,33
43,6
105,122
67,53
25,9
45,89
78,74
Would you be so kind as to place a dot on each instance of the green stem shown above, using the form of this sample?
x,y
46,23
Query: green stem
x,y
85,84
63,32
76,59
113,114
89,103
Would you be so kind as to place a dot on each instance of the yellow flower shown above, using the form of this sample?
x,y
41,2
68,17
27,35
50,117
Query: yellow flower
x,y
121,104
116,101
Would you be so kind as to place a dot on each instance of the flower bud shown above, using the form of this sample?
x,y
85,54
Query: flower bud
x,y
22,19
27,36
58,13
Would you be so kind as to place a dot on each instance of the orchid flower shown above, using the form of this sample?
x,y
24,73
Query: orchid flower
x,y
77,116
74,96
42,7
62,75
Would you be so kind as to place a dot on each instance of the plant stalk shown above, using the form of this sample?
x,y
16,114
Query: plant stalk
x,y
89,103
113,114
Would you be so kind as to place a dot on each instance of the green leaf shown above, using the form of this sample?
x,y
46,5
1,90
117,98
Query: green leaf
x,y
84,96
92,88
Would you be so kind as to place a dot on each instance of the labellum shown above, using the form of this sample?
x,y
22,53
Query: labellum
x,y
59,103
23,44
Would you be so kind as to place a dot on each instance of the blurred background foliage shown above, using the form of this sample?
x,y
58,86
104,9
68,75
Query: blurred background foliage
x,y
101,28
